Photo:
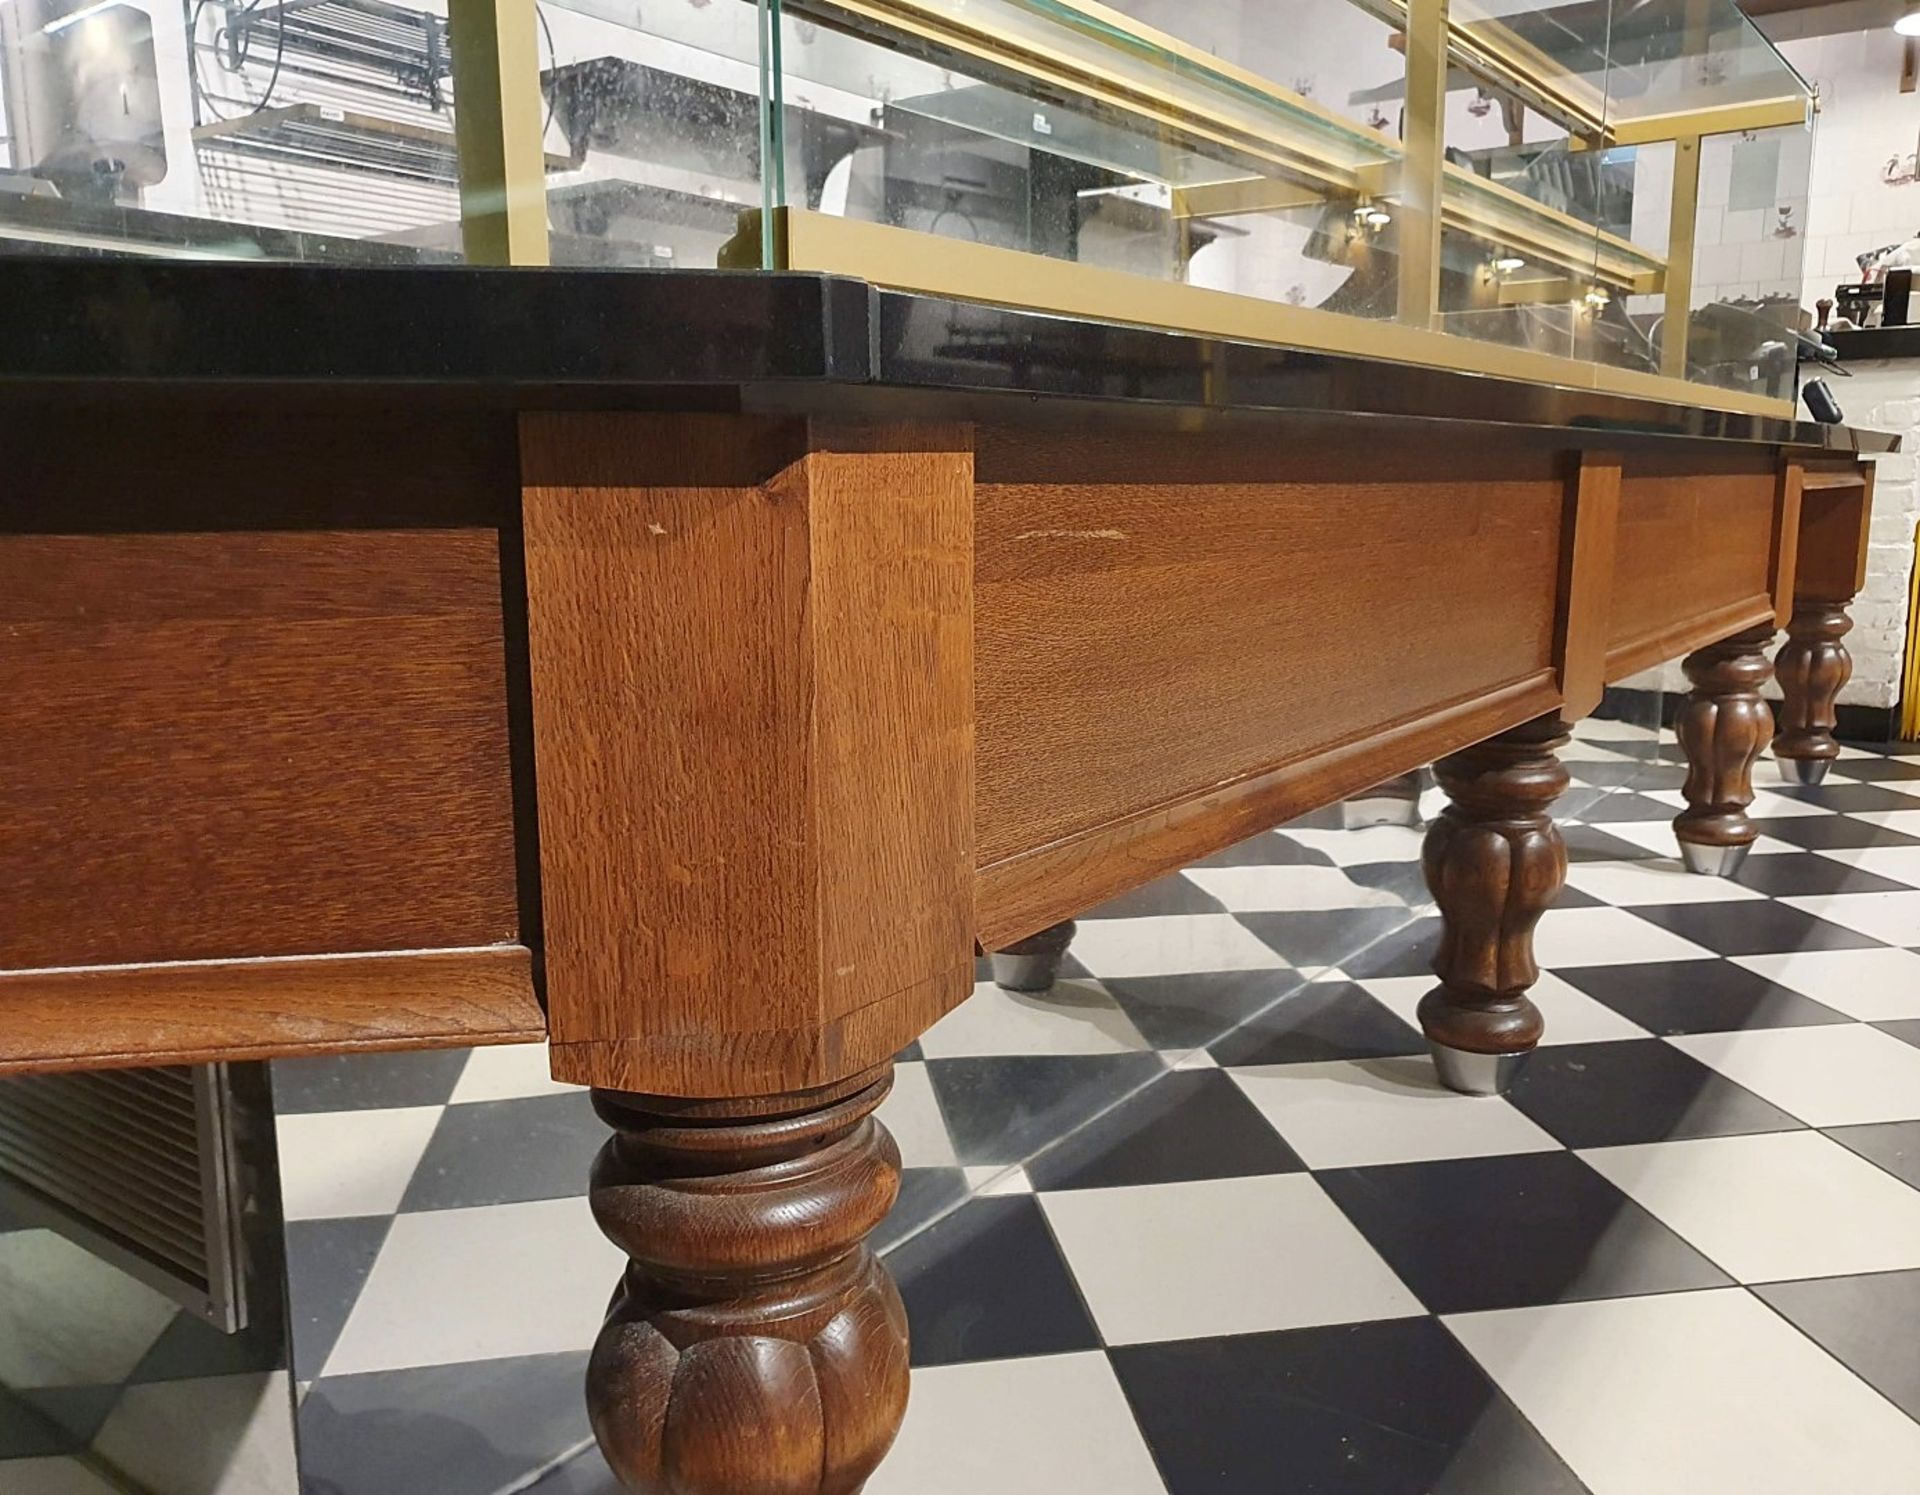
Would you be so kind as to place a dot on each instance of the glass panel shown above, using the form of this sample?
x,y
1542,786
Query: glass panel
x,y
1186,142
1533,218
305,129
653,132
1747,259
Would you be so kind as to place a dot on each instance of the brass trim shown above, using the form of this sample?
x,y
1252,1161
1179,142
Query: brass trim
x,y
1420,182
912,261
1676,321
500,126
1721,119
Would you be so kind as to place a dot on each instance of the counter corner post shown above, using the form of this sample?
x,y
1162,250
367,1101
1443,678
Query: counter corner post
x,y
750,647
1723,726
1813,664
1495,861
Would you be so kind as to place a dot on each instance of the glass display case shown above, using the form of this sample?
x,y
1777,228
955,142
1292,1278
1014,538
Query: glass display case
x,y
1607,194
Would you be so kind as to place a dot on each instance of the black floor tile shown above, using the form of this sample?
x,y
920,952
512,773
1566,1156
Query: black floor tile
x,y
1189,1124
1505,1232
1190,1011
925,1195
1321,1020
78,1412
1403,880
1848,799
191,1349
1906,1029
1003,1110
442,1429
1324,936
1802,874
327,1265
1634,775
1892,1145
988,1283
366,1082
1752,927
1697,996
1636,1090
1832,832
1388,1408
1268,849
25,1433
1880,770
1407,951
1851,1318
507,1152
1586,843
1624,804
1165,895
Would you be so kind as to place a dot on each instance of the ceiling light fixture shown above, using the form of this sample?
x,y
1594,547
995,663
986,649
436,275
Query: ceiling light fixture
x,y
1909,22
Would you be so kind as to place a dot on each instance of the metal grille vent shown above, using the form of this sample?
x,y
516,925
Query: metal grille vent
x,y
139,1166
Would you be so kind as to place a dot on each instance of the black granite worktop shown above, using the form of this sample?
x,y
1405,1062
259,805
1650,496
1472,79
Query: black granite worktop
x,y
1876,342
668,336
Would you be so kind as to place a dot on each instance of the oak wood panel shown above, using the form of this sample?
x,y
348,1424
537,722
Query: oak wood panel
x,y
1025,893
1586,582
1157,622
252,743
1695,553
751,658
1836,511
199,1011
1785,561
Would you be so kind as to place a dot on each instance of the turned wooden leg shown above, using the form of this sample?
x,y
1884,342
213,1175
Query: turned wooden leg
x,y
1812,665
1034,963
1494,861
1723,727
755,1345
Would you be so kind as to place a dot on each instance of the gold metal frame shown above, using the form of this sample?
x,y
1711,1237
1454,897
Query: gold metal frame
x,y
959,268
503,189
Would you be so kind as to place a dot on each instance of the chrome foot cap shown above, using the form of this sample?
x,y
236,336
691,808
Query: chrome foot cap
x,y
1361,814
1475,1074
1023,972
1804,770
1713,861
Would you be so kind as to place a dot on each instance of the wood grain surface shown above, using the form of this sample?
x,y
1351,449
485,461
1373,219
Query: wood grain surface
x,y
199,1011
752,689
252,743
1366,594
1586,581
1695,554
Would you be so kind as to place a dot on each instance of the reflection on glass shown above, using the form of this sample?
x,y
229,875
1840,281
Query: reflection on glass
x,y
299,129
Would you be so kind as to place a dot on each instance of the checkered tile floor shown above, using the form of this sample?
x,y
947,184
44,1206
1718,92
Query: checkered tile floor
x,y
1199,1219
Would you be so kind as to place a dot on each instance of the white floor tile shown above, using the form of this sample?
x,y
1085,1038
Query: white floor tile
x,y
1363,846
1288,888
1770,806
1571,1016
1350,1113
1224,1256
478,1284
995,1180
1907,822
241,1441
911,1112
1891,917
1071,1017
511,1071
1707,1393
51,1477
1651,883
1872,985
67,1318
1047,1425
1169,945
1657,836
336,1163
1840,1074
1606,936
1773,1207
1901,863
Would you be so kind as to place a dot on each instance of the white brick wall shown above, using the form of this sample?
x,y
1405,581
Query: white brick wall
x,y
1883,395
